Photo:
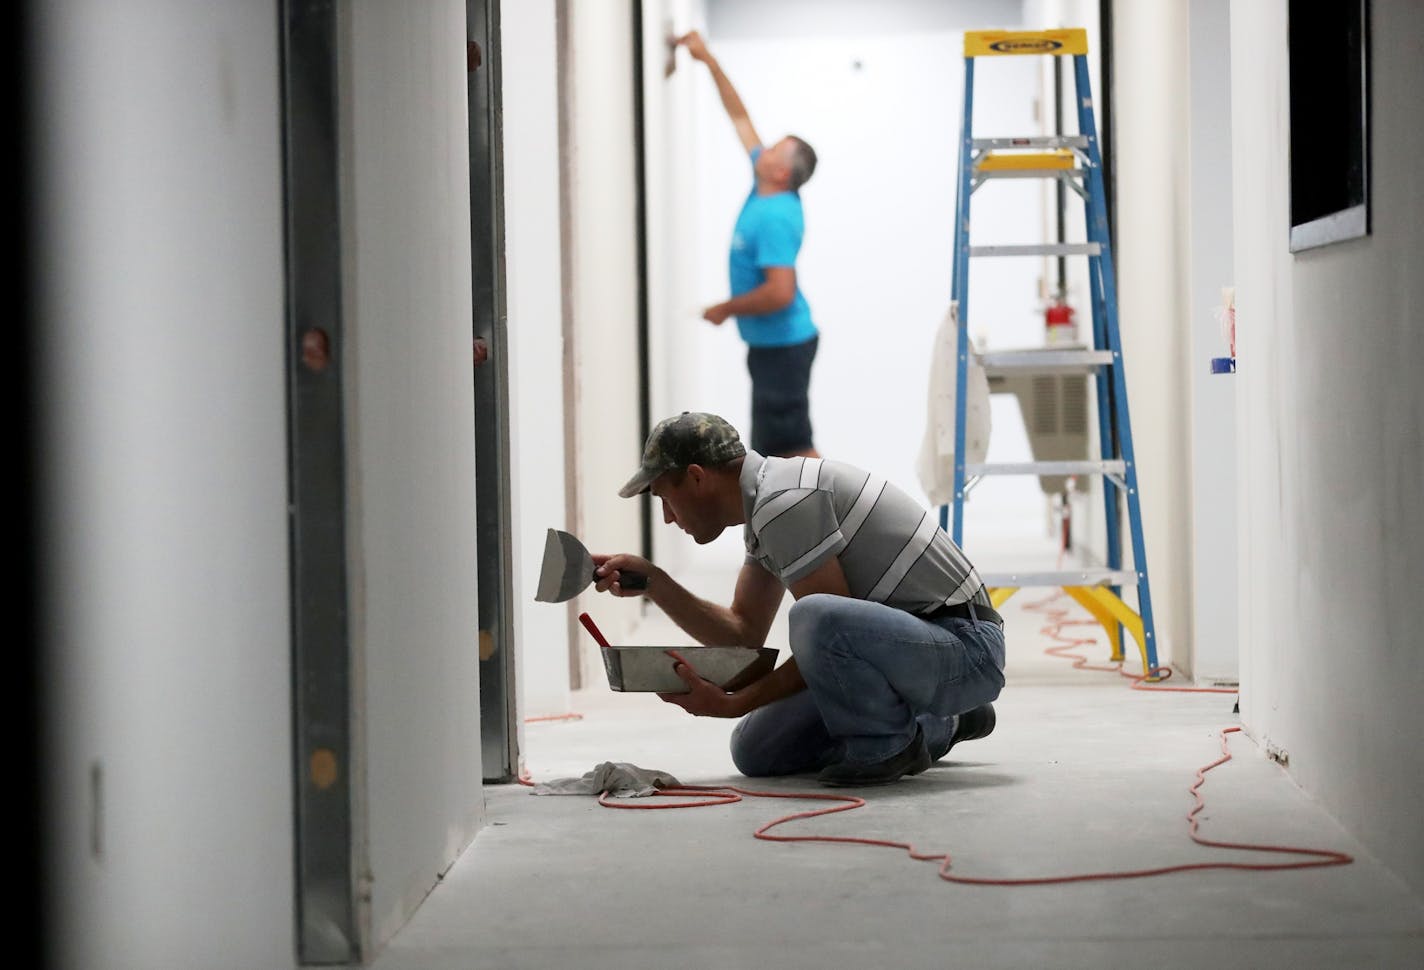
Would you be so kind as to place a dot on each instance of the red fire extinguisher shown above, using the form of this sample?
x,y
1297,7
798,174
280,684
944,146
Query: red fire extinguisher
x,y
1058,322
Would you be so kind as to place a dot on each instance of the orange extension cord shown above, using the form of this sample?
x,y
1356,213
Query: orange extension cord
x,y
729,794
710,795
1058,619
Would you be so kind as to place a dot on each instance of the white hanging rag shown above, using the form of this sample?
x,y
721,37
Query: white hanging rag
x,y
935,467
618,778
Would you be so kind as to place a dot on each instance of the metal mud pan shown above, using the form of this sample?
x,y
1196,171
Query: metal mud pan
x,y
649,668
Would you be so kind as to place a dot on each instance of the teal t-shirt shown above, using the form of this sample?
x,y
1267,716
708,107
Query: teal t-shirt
x,y
768,233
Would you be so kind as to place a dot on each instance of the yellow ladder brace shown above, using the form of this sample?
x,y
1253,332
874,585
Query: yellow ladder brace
x,y
1106,607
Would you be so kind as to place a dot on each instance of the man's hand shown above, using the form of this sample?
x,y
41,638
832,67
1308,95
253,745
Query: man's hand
x,y
607,568
731,101
716,314
695,45
705,699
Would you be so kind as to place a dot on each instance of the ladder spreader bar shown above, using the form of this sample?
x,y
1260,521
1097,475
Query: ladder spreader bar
x,y
1032,141
1044,249
1078,577
1041,361
1046,468
1027,173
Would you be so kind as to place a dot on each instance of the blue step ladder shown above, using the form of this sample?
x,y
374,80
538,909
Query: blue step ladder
x,y
1075,160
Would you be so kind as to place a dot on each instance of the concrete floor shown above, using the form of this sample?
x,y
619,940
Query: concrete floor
x,y
1082,774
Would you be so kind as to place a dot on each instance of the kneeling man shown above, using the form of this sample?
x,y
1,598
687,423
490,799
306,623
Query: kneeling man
x,y
896,652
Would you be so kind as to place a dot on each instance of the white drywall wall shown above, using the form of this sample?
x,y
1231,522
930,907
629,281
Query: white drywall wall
x,y
163,422
605,297
1330,446
1152,251
532,236
1212,655
410,433
670,149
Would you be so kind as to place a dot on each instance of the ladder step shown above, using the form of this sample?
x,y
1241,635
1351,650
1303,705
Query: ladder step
x,y
1045,249
1060,160
998,363
1113,467
1034,141
1077,577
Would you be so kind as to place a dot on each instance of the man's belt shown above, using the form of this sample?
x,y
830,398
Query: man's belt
x,y
961,611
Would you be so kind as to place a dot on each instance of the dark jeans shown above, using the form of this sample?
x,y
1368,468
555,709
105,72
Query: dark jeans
x,y
872,672
781,408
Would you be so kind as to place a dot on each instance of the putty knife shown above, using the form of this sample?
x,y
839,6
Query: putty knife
x,y
568,570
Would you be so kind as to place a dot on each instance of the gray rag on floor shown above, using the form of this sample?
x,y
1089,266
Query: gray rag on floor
x,y
618,778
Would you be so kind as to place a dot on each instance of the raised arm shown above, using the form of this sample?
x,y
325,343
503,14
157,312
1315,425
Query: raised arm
x,y
737,111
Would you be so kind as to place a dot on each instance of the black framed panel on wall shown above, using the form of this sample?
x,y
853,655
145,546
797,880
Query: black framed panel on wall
x,y
1329,51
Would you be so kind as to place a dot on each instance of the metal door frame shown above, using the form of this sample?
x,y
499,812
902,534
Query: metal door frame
x,y
499,734
329,819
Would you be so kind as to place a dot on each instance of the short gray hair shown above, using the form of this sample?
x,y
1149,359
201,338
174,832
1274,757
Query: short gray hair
x,y
803,162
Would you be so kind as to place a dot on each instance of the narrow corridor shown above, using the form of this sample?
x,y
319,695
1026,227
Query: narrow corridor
x,y
1082,774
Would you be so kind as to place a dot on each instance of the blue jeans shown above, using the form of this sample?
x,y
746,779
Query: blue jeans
x,y
872,673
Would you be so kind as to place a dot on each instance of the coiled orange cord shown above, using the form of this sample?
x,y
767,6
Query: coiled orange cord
x,y
1058,619
729,794
705,796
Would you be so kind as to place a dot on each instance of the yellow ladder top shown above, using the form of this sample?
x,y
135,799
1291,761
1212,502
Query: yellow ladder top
x,y
999,43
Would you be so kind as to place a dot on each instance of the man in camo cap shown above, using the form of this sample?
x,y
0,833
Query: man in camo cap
x,y
896,652
687,439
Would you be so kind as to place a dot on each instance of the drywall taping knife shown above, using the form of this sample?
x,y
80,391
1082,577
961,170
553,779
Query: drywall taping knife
x,y
568,570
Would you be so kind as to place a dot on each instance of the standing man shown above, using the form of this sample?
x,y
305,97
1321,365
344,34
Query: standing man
x,y
896,653
772,315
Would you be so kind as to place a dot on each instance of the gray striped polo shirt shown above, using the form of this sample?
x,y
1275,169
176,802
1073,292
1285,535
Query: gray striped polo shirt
x,y
802,511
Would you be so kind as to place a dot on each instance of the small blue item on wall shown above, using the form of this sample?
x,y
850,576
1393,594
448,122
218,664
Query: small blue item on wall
x,y
1223,365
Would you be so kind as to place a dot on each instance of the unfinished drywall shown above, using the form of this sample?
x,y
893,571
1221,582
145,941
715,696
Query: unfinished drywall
x,y
1330,446
529,75
670,139
602,232
411,464
168,767
1211,654
1152,255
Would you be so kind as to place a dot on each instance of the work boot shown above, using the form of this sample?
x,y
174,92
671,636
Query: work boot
x,y
850,774
969,726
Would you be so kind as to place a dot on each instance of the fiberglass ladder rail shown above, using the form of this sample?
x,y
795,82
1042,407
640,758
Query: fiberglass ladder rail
x,y
1075,161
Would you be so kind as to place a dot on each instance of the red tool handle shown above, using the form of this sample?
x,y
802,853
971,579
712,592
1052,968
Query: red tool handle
x,y
592,628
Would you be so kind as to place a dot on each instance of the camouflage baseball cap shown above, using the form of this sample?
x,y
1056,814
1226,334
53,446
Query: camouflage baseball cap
x,y
690,438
